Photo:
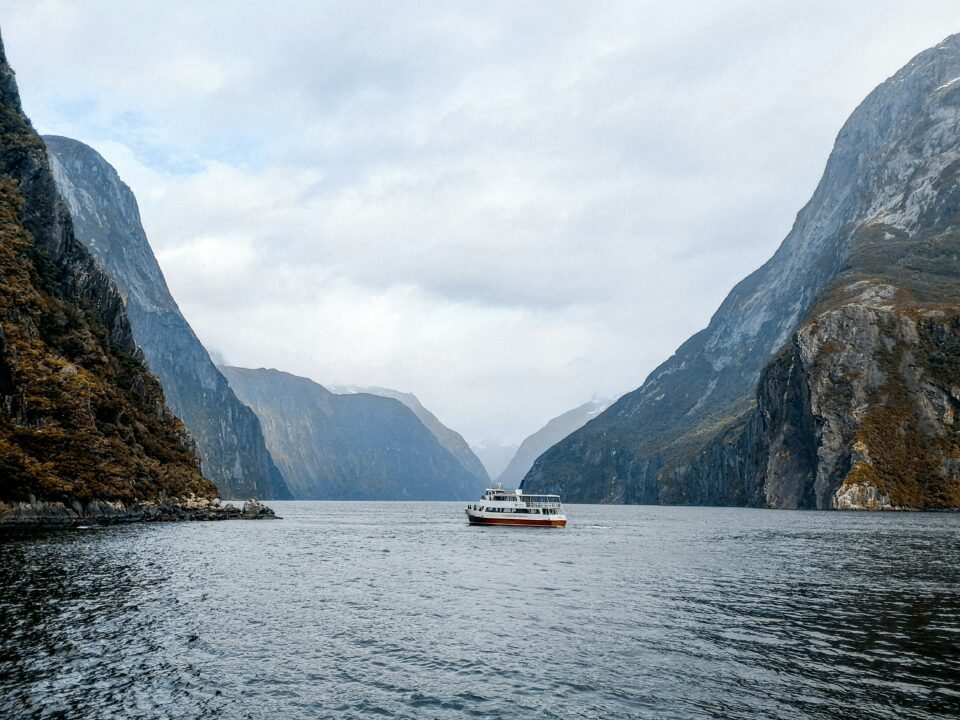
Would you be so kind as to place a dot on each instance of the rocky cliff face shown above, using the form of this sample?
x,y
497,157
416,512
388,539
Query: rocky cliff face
x,y
81,417
860,409
871,250
106,220
546,437
450,439
349,447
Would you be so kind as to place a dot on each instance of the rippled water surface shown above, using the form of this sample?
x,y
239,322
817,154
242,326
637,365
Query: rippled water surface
x,y
403,610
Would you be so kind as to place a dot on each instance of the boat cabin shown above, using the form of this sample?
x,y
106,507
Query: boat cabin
x,y
500,500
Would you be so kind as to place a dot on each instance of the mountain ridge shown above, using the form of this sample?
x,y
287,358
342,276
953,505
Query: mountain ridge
x,y
449,438
107,221
348,447
636,450
555,430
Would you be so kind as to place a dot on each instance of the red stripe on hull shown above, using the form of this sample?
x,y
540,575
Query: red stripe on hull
x,y
511,521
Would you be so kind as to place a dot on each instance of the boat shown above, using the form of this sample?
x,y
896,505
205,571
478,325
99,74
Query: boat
x,y
499,506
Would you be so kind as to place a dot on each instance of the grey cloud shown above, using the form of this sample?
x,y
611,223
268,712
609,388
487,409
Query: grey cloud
x,y
501,208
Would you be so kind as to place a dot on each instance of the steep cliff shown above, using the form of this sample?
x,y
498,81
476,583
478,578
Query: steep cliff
x,y
349,447
450,439
884,215
861,409
546,437
81,417
106,220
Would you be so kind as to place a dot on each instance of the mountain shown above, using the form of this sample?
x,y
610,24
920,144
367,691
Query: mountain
x,y
546,437
450,439
494,456
106,220
829,377
82,420
348,447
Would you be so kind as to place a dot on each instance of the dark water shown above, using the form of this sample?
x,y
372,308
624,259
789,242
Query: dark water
x,y
402,610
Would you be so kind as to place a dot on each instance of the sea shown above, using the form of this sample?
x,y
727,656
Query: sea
x,y
403,610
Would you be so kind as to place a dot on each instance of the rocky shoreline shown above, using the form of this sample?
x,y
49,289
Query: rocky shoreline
x,y
41,514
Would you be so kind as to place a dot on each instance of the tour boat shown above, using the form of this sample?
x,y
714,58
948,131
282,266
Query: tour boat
x,y
502,507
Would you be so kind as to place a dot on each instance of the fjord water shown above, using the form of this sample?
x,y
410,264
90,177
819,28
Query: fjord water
x,y
402,610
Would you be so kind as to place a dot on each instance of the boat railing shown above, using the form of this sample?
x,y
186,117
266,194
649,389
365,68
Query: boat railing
x,y
533,501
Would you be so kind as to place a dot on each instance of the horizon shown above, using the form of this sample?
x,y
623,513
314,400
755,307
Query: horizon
x,y
419,202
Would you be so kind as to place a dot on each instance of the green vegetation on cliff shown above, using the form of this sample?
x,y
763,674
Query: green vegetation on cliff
x,y
80,415
106,220
905,457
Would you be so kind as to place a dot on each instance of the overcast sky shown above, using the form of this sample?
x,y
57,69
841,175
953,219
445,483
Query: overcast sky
x,y
505,208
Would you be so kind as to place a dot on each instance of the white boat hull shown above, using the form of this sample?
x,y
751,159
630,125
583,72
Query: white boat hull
x,y
480,517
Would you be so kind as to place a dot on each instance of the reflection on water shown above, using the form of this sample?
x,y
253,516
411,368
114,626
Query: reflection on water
x,y
402,610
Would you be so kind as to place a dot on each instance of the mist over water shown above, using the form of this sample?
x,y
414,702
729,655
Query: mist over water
x,y
403,610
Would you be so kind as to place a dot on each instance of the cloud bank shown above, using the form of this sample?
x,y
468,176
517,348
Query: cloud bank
x,y
505,208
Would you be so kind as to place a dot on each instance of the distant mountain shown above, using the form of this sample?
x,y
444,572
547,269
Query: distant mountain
x,y
829,378
107,221
349,447
494,456
450,439
546,437
82,420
